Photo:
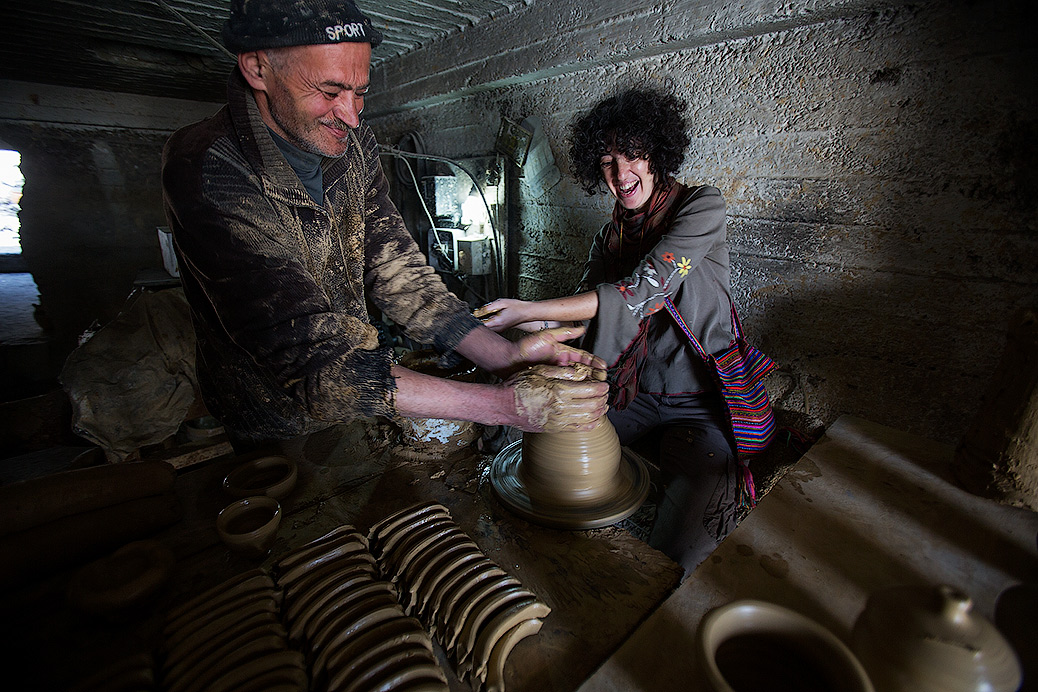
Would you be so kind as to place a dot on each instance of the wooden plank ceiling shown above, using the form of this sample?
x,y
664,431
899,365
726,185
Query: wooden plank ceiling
x,y
157,47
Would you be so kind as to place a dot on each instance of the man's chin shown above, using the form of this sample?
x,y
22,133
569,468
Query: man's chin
x,y
334,143
329,147
334,152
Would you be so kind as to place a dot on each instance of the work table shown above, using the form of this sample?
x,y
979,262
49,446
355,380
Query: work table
x,y
867,507
599,584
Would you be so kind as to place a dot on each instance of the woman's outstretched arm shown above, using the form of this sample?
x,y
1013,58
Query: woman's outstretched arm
x,y
534,315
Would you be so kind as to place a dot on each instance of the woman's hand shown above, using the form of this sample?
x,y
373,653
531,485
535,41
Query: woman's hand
x,y
505,313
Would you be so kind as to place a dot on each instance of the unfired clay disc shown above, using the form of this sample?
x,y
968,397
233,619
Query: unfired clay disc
x,y
632,487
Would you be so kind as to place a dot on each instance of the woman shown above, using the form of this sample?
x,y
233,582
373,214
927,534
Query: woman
x,y
665,241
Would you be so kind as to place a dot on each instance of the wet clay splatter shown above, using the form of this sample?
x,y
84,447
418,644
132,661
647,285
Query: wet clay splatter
x,y
548,395
805,471
775,566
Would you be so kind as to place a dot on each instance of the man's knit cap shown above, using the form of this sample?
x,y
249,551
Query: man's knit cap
x,y
258,24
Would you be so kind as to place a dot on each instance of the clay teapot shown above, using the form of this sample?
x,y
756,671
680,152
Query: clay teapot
x,y
930,639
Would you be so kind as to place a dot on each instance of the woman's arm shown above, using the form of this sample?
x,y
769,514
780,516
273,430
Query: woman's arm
x,y
696,236
534,315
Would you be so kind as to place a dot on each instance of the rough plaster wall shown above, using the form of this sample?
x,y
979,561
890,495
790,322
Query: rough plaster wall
x,y
92,197
878,159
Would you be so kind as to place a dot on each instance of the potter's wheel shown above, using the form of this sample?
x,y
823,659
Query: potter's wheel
x,y
631,489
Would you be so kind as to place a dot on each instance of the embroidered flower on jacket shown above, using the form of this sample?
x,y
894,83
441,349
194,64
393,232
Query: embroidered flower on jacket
x,y
668,257
651,275
625,289
684,266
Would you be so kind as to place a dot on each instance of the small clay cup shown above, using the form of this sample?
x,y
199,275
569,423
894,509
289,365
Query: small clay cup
x,y
271,475
250,525
754,645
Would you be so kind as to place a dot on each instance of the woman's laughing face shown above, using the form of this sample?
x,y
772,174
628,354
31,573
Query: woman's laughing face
x,y
630,180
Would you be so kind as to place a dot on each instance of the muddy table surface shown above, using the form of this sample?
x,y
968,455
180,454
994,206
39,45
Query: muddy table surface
x,y
600,584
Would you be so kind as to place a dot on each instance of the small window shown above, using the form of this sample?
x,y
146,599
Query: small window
x,y
11,182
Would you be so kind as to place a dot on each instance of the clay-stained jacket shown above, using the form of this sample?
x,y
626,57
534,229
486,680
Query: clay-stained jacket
x,y
278,284
689,264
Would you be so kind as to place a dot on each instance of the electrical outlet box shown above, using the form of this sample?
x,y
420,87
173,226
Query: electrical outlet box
x,y
441,193
443,248
475,256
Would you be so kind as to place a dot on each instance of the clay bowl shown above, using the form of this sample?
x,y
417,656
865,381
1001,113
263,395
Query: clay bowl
x,y
271,475
754,645
427,361
250,525
433,439
203,428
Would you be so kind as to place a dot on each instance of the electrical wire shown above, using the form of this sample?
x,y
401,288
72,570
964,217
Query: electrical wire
x,y
425,207
495,236
414,139
436,237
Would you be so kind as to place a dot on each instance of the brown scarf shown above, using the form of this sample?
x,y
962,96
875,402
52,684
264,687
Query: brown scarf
x,y
633,233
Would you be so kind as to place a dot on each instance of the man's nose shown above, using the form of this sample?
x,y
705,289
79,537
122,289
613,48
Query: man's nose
x,y
348,110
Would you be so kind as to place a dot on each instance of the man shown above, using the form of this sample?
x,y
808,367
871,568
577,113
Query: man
x,y
283,229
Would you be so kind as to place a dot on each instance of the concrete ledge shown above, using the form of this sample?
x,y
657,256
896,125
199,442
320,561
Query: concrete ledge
x,y
55,106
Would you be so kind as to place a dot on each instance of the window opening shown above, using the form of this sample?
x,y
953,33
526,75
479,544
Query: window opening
x,y
11,182
19,294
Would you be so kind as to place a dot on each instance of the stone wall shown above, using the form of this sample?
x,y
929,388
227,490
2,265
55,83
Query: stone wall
x,y
878,160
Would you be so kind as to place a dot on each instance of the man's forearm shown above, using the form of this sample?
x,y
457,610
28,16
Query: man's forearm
x,y
489,350
542,398
425,396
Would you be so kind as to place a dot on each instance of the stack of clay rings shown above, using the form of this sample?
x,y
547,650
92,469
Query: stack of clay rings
x,y
230,638
349,621
474,609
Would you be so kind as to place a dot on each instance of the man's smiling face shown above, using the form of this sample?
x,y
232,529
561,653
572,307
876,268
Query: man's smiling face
x,y
313,95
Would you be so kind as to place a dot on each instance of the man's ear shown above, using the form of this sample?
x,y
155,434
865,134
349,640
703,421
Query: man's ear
x,y
254,68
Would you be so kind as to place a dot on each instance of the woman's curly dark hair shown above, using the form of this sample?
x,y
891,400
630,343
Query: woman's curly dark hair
x,y
639,122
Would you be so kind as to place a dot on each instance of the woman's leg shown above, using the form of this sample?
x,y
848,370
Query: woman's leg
x,y
700,473
640,416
